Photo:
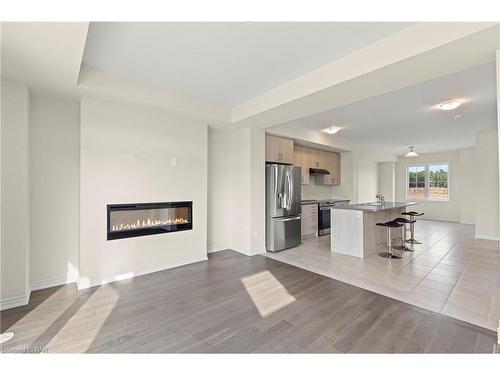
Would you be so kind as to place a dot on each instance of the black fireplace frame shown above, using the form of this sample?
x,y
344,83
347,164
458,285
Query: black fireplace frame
x,y
148,231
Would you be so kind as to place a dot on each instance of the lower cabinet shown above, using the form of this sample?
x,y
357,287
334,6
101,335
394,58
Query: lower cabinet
x,y
309,223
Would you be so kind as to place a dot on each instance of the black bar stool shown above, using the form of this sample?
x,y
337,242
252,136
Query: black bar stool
x,y
404,221
390,225
412,215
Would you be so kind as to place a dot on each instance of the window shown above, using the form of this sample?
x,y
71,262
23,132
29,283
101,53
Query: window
x,y
428,182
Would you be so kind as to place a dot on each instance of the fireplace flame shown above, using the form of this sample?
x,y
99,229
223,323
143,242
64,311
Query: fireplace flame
x,y
148,224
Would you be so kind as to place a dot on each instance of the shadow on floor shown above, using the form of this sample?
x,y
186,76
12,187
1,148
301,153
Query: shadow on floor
x,y
12,316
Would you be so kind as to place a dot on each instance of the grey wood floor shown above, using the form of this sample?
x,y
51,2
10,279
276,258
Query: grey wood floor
x,y
237,304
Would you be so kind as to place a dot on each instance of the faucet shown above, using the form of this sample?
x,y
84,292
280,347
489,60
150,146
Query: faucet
x,y
380,198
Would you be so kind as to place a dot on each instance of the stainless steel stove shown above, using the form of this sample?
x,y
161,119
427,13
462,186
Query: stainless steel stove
x,y
324,214
328,202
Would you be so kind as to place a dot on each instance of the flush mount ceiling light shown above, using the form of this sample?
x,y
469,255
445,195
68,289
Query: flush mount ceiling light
x,y
449,105
332,129
411,153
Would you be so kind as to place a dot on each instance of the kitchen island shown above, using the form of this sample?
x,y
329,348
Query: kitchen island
x,y
354,230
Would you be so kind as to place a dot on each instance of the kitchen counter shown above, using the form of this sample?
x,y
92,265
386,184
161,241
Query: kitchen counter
x,y
316,201
354,227
374,206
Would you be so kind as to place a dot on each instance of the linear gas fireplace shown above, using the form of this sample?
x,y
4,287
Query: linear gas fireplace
x,y
143,219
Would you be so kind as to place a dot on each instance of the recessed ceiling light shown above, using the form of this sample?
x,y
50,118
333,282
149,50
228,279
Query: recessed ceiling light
x,y
449,105
411,153
457,117
332,129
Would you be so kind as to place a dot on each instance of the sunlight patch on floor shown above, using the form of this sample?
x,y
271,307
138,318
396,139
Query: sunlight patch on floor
x,y
89,318
267,293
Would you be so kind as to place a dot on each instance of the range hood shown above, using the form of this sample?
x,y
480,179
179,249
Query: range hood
x,y
317,171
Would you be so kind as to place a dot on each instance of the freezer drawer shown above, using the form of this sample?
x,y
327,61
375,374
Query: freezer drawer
x,y
283,233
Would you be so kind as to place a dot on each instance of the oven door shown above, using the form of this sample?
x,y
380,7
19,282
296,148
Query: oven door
x,y
324,220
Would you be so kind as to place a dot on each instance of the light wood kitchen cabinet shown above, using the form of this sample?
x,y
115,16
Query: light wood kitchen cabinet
x,y
302,159
279,150
318,159
332,165
309,221
336,168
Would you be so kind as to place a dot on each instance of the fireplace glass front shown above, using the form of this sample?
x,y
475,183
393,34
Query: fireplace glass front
x,y
142,219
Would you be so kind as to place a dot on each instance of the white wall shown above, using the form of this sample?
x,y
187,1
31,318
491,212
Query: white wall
x,y
387,180
14,194
54,190
240,172
448,211
237,191
126,158
219,190
468,186
487,185
368,181
258,190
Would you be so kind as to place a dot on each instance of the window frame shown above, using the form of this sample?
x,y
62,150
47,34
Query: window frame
x,y
427,166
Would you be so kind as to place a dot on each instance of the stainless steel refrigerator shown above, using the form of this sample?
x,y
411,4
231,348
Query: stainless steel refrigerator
x,y
283,209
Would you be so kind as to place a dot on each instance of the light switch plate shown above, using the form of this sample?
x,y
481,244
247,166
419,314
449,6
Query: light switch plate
x,y
173,161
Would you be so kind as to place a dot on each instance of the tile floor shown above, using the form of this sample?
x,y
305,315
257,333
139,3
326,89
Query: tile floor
x,y
451,272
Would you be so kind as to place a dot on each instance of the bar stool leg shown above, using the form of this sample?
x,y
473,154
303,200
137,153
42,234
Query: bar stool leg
x,y
412,239
389,253
403,241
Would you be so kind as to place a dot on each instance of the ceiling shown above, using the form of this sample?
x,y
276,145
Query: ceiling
x,y
394,121
224,63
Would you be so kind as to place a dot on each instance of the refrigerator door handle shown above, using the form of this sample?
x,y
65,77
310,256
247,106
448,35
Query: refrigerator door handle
x,y
290,196
288,218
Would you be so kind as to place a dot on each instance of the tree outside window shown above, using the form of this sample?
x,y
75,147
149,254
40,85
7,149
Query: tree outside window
x,y
428,182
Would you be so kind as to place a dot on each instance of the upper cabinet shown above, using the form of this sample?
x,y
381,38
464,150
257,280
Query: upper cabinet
x,y
279,150
332,165
302,158
319,159
312,158
284,151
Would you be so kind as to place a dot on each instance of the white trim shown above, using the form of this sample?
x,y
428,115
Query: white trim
x,y
250,253
243,252
258,251
86,282
49,283
10,303
214,249
494,237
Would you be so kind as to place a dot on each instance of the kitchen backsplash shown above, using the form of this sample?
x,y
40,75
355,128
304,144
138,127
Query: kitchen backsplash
x,y
313,191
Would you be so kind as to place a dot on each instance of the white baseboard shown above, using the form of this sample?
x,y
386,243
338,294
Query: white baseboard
x,y
214,249
43,284
488,236
10,303
86,282
258,251
249,253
